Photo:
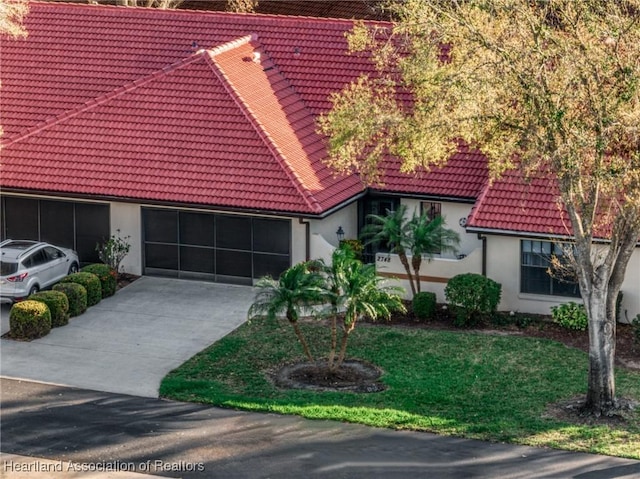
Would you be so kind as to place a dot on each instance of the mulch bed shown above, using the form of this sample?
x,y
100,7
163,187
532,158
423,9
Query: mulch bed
x,y
125,279
353,375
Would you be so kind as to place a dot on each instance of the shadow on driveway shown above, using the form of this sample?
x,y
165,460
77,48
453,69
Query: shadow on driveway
x,y
195,441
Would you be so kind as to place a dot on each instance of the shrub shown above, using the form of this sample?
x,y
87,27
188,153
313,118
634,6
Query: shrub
x,y
90,282
29,320
570,315
58,305
635,325
76,295
354,245
472,296
114,250
424,305
106,275
507,318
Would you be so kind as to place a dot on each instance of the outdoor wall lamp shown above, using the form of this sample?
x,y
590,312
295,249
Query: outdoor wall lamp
x,y
340,233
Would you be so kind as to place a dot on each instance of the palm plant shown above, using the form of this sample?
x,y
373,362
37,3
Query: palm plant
x,y
362,294
392,230
335,280
420,236
298,287
429,237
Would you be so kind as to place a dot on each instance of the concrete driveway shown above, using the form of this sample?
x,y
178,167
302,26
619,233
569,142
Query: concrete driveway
x,y
127,343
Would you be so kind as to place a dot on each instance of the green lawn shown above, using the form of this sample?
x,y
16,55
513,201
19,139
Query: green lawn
x,y
471,385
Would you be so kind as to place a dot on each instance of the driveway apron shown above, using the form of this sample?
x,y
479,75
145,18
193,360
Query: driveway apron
x,y
127,343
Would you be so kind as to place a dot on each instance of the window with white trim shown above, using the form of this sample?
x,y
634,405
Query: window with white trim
x,y
535,264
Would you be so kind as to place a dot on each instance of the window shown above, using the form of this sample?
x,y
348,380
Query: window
x,y
534,266
432,211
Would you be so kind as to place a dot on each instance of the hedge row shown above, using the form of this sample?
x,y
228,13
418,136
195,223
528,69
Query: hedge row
x,y
36,316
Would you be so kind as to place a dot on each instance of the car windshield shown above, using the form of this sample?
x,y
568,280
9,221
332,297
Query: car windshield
x,y
7,268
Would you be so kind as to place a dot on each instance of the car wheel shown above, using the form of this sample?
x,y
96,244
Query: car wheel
x,y
34,289
73,268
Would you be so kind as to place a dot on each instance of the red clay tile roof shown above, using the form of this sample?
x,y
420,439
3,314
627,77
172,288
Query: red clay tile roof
x,y
513,204
75,53
145,104
187,141
462,178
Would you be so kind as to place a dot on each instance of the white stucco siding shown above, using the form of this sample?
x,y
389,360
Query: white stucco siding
x,y
503,266
298,241
452,213
434,274
346,217
126,218
631,289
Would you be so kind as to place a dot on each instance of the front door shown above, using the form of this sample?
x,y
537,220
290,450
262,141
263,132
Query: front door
x,y
374,205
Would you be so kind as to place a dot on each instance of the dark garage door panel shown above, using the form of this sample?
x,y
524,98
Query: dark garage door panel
x,y
70,224
214,246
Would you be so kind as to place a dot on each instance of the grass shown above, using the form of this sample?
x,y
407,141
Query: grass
x,y
494,388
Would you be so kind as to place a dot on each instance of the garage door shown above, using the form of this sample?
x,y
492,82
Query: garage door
x,y
75,225
216,247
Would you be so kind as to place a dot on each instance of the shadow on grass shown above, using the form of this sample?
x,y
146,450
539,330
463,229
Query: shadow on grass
x,y
90,428
470,385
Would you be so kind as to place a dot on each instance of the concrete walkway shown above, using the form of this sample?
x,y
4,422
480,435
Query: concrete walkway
x,y
127,343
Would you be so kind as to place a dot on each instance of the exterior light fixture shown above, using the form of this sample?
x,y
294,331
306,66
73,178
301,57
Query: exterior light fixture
x,y
340,233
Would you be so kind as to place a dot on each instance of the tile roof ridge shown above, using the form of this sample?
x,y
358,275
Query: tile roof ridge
x,y
90,104
478,204
269,142
61,4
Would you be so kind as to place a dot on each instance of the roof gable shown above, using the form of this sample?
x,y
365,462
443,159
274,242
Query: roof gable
x,y
177,135
514,204
168,106
75,53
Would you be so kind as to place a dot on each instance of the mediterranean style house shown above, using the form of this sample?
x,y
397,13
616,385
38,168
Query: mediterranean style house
x,y
193,135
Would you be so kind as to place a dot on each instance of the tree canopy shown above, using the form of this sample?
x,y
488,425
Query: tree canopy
x,y
12,13
548,87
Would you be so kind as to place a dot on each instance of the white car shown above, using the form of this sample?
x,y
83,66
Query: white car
x,y
26,267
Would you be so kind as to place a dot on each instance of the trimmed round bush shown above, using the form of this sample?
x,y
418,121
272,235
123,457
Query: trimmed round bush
x,y
424,305
90,282
472,296
106,275
76,295
29,320
58,306
570,315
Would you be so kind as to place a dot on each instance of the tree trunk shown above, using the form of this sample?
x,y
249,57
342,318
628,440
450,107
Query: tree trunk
x,y
405,263
416,261
602,343
343,345
334,338
303,341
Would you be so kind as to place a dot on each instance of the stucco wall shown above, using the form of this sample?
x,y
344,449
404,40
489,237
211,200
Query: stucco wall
x,y
298,241
503,266
126,218
452,213
346,217
434,274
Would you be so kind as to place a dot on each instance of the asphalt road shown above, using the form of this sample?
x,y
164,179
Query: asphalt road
x,y
103,430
